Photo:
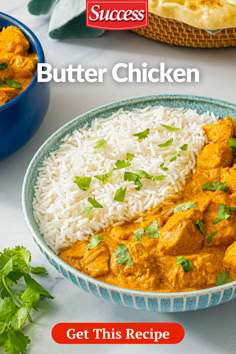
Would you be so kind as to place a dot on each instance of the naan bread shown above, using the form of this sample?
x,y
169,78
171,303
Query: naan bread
x,y
204,14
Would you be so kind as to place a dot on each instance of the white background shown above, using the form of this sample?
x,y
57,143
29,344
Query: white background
x,y
207,331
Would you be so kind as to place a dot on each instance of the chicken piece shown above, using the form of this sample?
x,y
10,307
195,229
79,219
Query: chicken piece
x,y
95,262
74,254
6,73
180,234
226,232
215,155
12,40
228,175
7,94
144,274
230,260
199,178
220,132
22,66
204,273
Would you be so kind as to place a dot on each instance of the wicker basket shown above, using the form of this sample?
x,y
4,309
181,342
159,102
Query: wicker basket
x,y
178,33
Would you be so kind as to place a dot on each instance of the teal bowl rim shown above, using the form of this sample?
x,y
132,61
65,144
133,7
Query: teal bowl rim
x,y
40,242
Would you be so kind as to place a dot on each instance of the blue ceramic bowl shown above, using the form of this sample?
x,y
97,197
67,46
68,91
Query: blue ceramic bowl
x,y
141,300
21,117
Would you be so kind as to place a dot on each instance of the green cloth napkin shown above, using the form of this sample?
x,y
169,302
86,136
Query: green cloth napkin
x,y
67,18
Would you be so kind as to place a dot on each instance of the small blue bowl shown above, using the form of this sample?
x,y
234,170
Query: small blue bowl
x,y
21,117
140,300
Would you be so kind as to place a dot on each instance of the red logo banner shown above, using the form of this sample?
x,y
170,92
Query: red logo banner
x,y
118,333
116,14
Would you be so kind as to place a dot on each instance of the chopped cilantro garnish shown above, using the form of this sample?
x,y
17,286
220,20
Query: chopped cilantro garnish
x,y
232,144
17,300
94,203
138,235
167,143
184,147
143,174
130,176
87,210
172,129
121,164
129,156
223,278
3,66
153,230
209,238
174,157
13,84
159,178
100,144
120,195
143,134
217,186
200,226
185,263
83,182
123,255
185,206
163,168
231,209
94,241
1,83
104,178
222,214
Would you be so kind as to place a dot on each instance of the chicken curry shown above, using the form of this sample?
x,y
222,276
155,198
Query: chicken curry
x,y
18,63
186,244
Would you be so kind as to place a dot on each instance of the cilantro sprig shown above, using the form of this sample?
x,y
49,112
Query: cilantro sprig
x,y
216,186
16,306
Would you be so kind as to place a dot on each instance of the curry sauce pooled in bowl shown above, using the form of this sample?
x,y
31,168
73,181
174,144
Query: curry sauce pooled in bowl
x,y
18,63
144,200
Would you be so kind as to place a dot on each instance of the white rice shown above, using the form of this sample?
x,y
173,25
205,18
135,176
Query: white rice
x,y
59,203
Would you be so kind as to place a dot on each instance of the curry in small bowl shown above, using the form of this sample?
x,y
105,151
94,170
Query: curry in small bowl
x,y
18,63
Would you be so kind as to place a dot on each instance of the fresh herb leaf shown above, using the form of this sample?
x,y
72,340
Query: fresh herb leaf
x,y
174,157
153,230
143,174
159,178
167,143
223,278
3,66
163,168
185,263
95,203
216,186
16,306
83,182
129,156
100,144
232,144
38,270
1,83
121,164
13,84
200,226
120,195
94,241
138,235
87,210
222,214
104,178
123,255
172,129
231,209
184,147
143,134
209,238
185,206
130,176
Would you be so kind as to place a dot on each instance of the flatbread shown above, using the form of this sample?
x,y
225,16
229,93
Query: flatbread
x,y
204,14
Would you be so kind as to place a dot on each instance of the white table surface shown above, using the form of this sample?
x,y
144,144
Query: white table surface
x,y
207,331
